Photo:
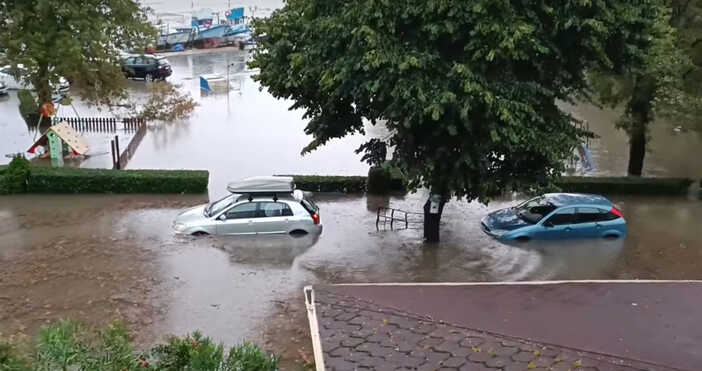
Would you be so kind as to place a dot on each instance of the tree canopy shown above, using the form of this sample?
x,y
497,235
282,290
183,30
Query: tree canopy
x,y
79,40
467,89
75,39
667,83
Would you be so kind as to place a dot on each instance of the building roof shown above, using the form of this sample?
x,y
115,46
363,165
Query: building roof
x,y
565,199
263,184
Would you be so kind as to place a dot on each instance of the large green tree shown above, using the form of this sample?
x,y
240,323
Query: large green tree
x,y
79,40
666,85
467,89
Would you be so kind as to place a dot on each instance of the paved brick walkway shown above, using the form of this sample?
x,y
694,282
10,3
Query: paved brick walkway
x,y
360,335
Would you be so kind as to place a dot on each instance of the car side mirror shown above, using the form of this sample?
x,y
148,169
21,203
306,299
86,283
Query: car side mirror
x,y
222,217
548,224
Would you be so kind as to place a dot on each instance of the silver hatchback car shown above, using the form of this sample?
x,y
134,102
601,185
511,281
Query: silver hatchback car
x,y
258,212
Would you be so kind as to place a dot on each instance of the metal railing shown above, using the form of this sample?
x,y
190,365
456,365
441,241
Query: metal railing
x,y
405,218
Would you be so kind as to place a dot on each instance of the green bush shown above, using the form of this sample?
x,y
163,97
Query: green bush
x,y
249,357
14,178
625,185
344,184
29,108
318,183
10,360
72,180
68,345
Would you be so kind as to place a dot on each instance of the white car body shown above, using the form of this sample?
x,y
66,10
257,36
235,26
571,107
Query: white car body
x,y
251,214
7,78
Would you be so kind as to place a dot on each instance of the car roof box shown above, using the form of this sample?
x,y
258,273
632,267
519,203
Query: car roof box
x,y
262,184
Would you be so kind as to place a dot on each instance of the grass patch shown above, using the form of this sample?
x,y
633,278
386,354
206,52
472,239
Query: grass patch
x,y
68,345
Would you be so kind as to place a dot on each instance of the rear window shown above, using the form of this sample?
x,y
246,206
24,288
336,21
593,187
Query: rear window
x,y
309,205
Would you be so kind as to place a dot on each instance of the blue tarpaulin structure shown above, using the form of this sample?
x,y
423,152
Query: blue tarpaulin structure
x,y
236,13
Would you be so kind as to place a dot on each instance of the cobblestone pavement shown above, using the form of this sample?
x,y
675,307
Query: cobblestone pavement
x,y
359,335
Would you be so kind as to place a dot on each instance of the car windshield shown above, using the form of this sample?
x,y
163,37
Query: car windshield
x,y
214,208
163,61
535,209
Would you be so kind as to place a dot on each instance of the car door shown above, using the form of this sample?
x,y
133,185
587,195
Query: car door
x,y
129,66
139,67
586,224
558,226
274,218
239,219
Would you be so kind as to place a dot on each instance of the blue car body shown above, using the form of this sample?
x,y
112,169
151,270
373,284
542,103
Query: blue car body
x,y
557,216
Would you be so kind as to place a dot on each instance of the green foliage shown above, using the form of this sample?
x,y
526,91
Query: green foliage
x,y
14,178
249,357
321,183
666,84
27,103
10,360
625,185
59,346
76,39
73,180
193,352
166,103
68,345
466,89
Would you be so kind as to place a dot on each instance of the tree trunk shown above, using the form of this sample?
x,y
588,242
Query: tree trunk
x,y
432,219
640,111
43,90
637,149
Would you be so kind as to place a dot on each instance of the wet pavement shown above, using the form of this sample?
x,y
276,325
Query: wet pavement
x,y
573,326
101,257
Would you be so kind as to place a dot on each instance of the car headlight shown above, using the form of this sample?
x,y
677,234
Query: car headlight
x,y
180,228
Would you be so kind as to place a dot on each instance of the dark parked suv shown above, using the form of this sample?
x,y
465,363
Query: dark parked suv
x,y
147,67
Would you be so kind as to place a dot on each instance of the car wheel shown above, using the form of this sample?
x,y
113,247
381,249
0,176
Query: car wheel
x,y
298,232
611,237
149,77
522,239
200,233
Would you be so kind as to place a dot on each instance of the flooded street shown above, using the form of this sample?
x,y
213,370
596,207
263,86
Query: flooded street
x,y
97,258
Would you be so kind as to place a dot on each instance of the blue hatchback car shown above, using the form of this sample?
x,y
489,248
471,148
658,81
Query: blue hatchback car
x,y
557,216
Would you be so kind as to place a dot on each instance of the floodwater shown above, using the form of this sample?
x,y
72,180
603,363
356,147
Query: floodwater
x,y
97,258
247,132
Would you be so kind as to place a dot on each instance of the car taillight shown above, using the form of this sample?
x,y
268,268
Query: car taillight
x,y
616,212
315,218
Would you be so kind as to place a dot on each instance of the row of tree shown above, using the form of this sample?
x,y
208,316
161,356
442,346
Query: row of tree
x,y
469,89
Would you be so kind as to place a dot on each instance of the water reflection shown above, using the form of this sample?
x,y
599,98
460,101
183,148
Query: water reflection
x,y
265,251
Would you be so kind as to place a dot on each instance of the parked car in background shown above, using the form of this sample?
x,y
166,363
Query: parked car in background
x,y
260,205
148,67
7,77
3,88
557,216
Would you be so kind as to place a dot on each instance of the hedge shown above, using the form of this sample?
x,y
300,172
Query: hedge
x,y
321,183
72,180
604,185
625,185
